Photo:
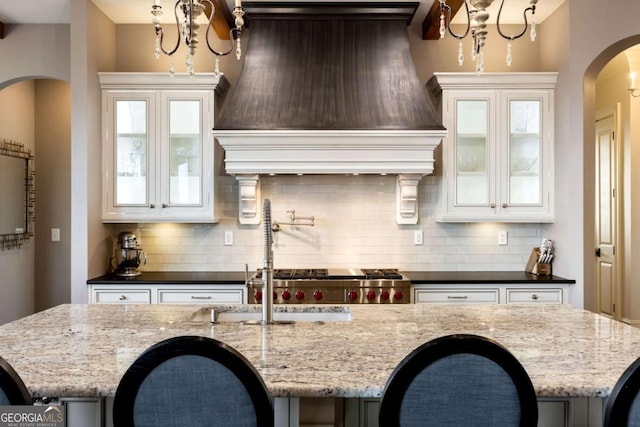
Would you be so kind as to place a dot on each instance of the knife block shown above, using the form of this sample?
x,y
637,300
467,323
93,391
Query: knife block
x,y
535,267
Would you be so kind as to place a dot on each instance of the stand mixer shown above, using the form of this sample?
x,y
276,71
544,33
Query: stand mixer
x,y
129,257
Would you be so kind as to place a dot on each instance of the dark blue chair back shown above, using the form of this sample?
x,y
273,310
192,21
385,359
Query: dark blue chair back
x,y
459,380
192,381
623,405
12,389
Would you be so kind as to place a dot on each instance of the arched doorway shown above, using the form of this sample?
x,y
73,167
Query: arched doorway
x,y
613,195
36,112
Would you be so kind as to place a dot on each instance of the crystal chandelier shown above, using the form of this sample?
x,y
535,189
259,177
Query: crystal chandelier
x,y
477,17
187,13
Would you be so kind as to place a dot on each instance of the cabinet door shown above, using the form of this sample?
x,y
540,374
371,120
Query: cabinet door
x,y
128,154
186,185
470,153
525,154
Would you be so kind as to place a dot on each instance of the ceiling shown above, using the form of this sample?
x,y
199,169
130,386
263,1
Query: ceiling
x,y
138,11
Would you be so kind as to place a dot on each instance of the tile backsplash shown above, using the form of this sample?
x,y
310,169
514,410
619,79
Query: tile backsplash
x,y
354,227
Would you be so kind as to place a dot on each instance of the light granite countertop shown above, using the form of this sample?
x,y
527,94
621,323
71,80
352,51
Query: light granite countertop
x,y
83,350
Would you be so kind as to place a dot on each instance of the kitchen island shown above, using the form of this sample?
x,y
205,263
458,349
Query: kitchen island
x,y
574,357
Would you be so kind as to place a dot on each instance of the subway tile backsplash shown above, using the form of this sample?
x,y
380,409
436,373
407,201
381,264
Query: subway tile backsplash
x,y
354,227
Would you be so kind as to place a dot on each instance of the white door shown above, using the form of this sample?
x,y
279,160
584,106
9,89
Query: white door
x,y
606,216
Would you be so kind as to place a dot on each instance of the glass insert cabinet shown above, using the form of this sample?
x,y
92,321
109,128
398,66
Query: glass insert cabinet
x,y
498,155
158,151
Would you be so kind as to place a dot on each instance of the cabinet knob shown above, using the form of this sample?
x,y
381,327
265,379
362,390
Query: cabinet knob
x,y
534,296
152,206
164,205
122,297
492,205
504,205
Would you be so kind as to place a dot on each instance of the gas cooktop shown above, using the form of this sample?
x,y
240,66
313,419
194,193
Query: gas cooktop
x,y
334,274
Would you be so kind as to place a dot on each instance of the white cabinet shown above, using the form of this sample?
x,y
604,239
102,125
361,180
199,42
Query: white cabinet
x,y
552,412
498,155
158,152
491,293
468,296
168,294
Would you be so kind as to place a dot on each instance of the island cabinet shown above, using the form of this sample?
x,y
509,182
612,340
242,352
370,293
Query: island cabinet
x,y
168,293
552,412
498,156
158,151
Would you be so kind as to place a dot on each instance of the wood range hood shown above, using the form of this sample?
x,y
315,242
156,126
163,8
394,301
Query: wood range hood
x,y
329,88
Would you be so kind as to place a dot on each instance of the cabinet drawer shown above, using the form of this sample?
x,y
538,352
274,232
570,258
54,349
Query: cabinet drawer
x,y
221,296
115,296
534,296
468,296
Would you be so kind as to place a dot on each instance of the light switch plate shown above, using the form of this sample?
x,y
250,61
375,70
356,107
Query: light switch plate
x,y
55,234
503,237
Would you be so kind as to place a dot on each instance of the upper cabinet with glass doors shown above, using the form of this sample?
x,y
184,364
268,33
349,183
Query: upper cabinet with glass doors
x,y
498,155
158,151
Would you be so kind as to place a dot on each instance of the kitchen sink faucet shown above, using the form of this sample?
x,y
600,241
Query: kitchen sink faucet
x,y
267,268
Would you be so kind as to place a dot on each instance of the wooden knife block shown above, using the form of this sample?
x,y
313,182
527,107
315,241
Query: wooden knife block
x,y
535,267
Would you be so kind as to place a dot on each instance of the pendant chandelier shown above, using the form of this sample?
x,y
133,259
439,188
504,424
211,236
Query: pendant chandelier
x,y
187,13
477,17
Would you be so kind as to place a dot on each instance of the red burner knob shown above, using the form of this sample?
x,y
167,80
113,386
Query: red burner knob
x,y
258,295
352,295
397,295
299,295
286,295
275,296
371,295
384,295
317,295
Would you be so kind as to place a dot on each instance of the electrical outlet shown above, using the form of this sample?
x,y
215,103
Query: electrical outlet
x,y
55,234
503,237
228,238
418,237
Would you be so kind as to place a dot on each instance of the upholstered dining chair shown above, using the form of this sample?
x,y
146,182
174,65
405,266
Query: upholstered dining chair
x,y
192,381
623,404
459,380
12,389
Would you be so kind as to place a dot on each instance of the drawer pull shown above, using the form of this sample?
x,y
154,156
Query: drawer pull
x,y
122,297
195,297
534,296
456,296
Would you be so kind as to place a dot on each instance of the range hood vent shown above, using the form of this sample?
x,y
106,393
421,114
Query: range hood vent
x,y
328,88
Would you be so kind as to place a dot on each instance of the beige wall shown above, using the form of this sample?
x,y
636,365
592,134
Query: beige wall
x,y
92,50
53,192
17,123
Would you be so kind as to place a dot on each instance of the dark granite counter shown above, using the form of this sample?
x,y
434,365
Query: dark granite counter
x,y
481,277
173,277
417,278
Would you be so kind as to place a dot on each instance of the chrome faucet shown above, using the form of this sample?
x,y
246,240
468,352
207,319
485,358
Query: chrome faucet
x,y
267,268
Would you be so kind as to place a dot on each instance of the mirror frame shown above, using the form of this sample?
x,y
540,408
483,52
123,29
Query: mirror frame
x,y
14,149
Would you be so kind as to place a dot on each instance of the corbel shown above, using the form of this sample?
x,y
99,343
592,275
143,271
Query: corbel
x,y
407,198
248,199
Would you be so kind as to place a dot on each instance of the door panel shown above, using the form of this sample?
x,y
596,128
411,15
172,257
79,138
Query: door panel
x,y
606,286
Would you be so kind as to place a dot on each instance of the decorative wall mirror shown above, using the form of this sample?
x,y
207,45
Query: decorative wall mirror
x,y
17,194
